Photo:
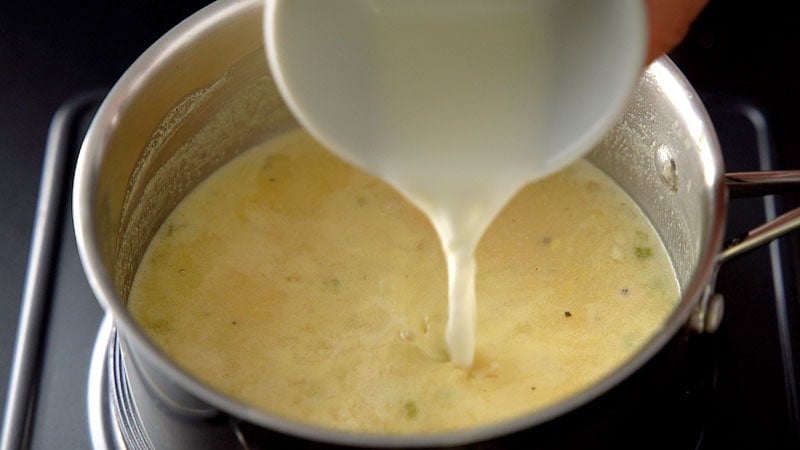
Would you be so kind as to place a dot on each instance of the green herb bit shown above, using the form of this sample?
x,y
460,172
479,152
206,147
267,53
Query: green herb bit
x,y
361,200
172,228
411,409
332,284
643,252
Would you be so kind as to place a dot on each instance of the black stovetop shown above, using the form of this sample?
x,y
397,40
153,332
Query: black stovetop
x,y
750,402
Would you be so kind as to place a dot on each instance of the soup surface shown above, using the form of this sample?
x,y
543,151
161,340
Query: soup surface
x,y
302,286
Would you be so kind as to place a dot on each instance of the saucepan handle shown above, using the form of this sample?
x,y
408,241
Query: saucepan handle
x,y
709,310
750,184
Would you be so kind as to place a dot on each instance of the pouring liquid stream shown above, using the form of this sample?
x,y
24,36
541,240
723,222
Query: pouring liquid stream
x,y
449,126
456,157
448,101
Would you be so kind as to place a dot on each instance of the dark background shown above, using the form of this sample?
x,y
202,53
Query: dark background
x,y
50,52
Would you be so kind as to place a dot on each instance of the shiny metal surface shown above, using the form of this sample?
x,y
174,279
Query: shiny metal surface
x,y
742,184
759,236
102,405
202,94
124,415
35,302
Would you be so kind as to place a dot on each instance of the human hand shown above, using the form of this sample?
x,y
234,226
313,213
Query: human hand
x,y
669,22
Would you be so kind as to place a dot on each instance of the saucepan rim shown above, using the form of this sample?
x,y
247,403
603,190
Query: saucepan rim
x,y
225,13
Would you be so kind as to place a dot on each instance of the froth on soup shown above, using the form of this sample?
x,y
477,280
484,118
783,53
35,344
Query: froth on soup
x,y
300,285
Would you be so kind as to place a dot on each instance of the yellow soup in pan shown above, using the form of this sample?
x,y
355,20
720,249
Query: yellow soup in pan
x,y
299,285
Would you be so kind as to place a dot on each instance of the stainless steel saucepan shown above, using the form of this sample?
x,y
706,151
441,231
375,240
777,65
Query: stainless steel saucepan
x,y
203,94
